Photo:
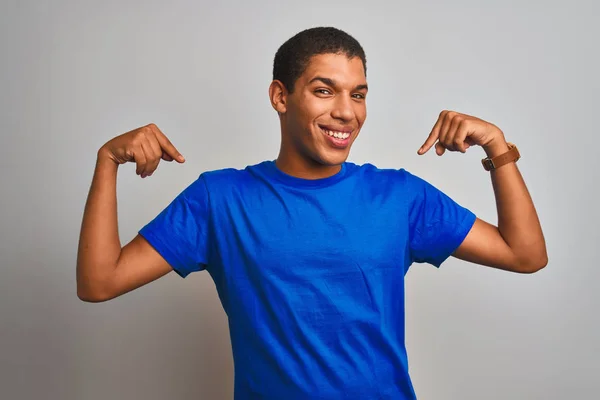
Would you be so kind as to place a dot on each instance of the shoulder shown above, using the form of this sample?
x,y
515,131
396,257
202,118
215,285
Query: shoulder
x,y
227,176
372,173
231,182
208,181
397,181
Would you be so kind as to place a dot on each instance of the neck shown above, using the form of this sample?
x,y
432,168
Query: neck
x,y
301,167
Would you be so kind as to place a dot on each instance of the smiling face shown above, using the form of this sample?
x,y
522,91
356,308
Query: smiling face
x,y
322,117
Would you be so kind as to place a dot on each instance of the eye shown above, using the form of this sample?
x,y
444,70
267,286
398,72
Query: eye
x,y
322,91
359,96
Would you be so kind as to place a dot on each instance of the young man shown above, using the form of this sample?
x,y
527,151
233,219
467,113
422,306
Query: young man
x,y
309,252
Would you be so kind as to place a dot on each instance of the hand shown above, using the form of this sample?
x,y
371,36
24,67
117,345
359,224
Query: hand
x,y
457,132
145,146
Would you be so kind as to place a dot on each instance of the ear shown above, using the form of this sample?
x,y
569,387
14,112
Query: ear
x,y
278,95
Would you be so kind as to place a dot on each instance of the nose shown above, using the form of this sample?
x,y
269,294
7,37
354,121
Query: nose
x,y
342,109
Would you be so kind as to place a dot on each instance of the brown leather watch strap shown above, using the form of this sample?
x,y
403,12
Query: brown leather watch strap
x,y
512,155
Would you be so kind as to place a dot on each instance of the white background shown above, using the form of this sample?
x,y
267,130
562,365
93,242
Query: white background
x,y
73,74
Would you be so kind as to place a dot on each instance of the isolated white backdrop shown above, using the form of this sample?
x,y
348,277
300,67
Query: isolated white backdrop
x,y
76,73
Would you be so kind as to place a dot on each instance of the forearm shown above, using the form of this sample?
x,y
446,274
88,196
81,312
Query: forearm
x,y
99,243
518,221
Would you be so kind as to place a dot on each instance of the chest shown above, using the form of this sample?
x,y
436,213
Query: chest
x,y
309,235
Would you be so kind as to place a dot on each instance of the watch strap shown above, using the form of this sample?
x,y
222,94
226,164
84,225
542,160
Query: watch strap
x,y
492,163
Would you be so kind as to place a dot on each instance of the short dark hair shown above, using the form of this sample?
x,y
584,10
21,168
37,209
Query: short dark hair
x,y
293,56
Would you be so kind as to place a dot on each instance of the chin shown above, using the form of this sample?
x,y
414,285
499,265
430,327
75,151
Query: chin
x,y
330,160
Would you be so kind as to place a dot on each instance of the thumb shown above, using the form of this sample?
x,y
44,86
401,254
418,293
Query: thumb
x,y
166,157
439,149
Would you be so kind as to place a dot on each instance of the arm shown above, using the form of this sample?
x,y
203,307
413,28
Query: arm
x,y
104,269
517,244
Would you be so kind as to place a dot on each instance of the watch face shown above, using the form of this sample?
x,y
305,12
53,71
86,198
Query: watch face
x,y
488,164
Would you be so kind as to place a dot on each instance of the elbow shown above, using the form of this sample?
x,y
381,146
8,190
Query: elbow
x,y
92,291
95,283
533,265
90,296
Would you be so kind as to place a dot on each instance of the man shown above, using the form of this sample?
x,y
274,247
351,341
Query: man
x,y
309,252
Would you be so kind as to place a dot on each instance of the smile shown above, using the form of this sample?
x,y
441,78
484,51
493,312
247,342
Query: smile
x,y
338,137
339,133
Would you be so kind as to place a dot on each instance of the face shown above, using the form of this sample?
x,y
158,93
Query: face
x,y
322,118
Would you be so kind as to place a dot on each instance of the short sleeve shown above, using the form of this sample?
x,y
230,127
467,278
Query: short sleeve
x,y
180,232
438,224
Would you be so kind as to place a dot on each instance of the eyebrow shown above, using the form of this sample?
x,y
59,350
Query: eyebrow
x,y
331,82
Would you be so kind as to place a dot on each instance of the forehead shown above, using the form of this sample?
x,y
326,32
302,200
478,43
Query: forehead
x,y
338,67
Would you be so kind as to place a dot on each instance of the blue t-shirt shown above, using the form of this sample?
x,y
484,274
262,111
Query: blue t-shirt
x,y
311,272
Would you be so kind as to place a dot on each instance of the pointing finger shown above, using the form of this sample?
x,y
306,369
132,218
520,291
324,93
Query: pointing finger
x,y
167,146
433,136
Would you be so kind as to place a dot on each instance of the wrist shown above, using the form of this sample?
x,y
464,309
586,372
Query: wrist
x,y
104,158
496,146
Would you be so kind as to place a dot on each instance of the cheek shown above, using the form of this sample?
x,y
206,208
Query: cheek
x,y
361,114
312,108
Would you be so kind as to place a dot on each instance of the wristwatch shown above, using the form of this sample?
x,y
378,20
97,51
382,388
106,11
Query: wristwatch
x,y
512,155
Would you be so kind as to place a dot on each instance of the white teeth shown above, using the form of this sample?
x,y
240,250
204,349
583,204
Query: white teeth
x,y
337,135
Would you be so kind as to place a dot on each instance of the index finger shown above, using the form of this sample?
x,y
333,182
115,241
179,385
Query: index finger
x,y
432,138
167,146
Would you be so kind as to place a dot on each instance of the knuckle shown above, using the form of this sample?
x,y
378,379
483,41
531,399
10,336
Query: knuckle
x,y
139,136
139,154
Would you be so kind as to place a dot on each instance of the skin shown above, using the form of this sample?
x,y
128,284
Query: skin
x,y
331,94
517,244
104,269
